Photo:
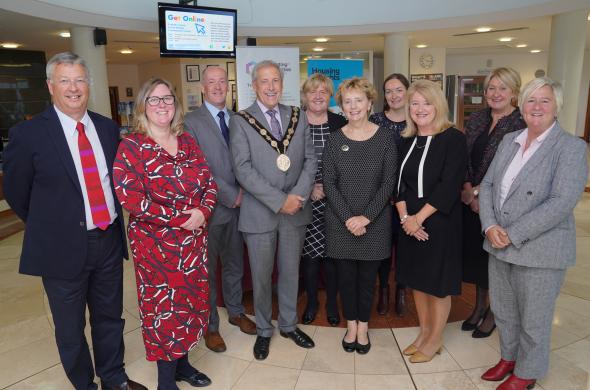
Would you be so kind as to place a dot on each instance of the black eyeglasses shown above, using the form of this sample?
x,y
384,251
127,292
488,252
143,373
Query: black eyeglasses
x,y
155,100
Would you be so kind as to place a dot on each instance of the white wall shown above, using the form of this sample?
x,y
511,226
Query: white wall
x,y
438,66
166,68
191,90
123,77
481,64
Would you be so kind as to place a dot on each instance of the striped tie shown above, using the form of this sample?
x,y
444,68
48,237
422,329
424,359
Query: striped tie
x,y
98,204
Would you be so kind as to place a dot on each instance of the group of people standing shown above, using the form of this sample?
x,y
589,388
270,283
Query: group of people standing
x,y
340,193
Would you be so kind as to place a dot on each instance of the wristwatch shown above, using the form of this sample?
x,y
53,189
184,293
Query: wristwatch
x,y
475,192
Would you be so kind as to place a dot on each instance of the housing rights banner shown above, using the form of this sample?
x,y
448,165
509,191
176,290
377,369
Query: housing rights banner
x,y
286,57
336,69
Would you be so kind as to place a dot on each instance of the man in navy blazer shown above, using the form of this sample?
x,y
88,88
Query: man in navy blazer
x,y
80,262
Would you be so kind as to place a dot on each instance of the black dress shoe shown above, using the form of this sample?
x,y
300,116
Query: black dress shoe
x,y
198,379
363,348
308,317
348,347
300,338
333,320
480,334
127,385
261,347
468,326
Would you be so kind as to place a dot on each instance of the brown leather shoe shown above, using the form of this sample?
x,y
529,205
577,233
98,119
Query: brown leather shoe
x,y
245,324
214,342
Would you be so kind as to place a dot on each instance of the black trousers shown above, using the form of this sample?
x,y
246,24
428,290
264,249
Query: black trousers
x,y
356,280
385,266
167,370
100,286
311,276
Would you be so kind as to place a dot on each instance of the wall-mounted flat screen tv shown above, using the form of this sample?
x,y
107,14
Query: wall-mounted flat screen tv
x,y
193,31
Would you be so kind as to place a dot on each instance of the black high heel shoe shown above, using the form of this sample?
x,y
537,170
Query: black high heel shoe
x,y
333,319
468,326
348,347
480,334
308,316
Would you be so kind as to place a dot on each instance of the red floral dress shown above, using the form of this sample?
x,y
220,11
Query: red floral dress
x,y
170,262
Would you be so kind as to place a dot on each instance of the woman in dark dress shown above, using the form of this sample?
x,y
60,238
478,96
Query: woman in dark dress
x,y
392,118
162,179
484,131
360,164
317,90
434,161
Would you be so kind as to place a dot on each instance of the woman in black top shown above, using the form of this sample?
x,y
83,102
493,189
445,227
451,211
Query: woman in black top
x,y
484,131
392,118
434,161
360,163
317,90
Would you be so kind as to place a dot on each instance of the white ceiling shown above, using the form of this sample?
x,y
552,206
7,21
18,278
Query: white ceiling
x,y
42,34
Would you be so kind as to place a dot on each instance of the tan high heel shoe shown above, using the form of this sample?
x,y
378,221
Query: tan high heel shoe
x,y
420,357
410,350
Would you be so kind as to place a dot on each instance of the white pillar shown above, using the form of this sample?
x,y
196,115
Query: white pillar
x,y
566,57
83,45
396,57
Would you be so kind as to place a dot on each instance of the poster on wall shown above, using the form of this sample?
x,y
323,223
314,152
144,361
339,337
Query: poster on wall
x,y
286,57
435,77
336,69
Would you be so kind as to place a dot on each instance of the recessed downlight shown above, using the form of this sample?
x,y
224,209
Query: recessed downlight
x,y
483,29
10,45
319,48
65,34
506,39
421,46
321,39
522,45
534,51
126,51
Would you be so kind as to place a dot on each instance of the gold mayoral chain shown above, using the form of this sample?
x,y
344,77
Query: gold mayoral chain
x,y
283,161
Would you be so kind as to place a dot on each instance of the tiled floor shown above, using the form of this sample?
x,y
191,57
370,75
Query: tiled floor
x,y
29,359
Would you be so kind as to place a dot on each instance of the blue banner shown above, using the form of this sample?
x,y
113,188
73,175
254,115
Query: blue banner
x,y
336,69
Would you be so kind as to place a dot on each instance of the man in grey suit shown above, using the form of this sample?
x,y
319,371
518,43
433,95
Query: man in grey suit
x,y
208,124
275,163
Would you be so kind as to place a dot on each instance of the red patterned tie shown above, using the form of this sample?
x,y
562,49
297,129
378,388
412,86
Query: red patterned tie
x,y
98,204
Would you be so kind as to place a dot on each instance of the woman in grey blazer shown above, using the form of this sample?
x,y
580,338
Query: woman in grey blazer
x,y
526,208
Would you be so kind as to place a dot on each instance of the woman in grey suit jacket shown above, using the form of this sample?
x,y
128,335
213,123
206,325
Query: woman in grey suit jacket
x,y
526,208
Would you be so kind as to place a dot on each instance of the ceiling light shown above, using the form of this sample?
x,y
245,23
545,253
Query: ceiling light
x,y
506,39
319,49
126,51
321,39
348,58
65,34
10,45
535,51
522,45
483,29
421,46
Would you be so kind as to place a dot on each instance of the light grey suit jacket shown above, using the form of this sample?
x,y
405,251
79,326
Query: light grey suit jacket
x,y
538,210
266,187
205,129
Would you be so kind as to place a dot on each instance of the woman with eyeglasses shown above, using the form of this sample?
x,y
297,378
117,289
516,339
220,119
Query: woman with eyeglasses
x,y
163,180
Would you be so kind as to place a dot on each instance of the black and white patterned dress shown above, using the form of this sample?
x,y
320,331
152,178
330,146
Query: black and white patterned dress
x,y
315,238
